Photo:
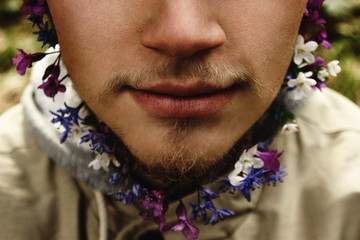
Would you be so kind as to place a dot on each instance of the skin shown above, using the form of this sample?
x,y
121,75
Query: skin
x,y
103,39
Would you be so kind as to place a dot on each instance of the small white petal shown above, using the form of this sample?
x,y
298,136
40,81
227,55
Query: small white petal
x,y
334,68
323,75
289,128
95,164
311,46
308,74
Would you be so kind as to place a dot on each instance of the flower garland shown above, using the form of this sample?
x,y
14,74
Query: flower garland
x,y
256,166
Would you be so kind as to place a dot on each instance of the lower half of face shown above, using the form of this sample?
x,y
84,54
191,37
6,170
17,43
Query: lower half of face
x,y
179,82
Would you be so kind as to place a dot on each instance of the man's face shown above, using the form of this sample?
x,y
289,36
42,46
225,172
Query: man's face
x,y
178,81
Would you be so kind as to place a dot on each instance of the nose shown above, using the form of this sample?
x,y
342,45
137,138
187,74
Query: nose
x,y
182,28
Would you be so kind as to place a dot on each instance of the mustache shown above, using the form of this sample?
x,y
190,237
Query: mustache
x,y
195,69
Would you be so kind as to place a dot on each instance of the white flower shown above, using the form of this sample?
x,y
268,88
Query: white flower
x,y
289,128
303,84
323,75
234,177
303,51
334,68
103,161
247,159
77,132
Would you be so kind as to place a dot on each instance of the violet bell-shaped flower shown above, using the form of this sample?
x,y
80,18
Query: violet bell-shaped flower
x,y
25,60
320,38
52,86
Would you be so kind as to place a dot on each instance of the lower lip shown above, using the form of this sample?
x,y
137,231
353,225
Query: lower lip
x,y
183,107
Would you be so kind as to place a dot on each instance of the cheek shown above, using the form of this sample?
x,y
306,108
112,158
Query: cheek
x,y
89,40
266,42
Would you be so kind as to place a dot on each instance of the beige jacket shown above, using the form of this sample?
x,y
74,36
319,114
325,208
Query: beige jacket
x,y
318,200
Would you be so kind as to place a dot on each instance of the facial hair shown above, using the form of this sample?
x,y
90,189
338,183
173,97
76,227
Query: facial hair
x,y
179,166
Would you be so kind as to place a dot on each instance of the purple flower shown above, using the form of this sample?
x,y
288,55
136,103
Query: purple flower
x,y
271,160
37,7
154,203
312,16
25,60
320,85
52,86
320,38
183,224
220,215
313,5
97,141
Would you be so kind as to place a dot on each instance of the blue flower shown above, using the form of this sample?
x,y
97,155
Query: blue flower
x,y
46,35
115,178
264,146
199,209
65,122
129,196
136,190
97,141
206,193
250,182
226,186
276,177
35,19
220,215
67,118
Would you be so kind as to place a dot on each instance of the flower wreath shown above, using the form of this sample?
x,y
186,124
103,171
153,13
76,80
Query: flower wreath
x,y
256,166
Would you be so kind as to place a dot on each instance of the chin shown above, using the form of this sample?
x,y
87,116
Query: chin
x,y
180,161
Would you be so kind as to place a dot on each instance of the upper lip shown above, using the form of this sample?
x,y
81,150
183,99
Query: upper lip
x,y
183,90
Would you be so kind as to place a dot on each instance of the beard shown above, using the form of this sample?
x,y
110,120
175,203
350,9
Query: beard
x,y
182,170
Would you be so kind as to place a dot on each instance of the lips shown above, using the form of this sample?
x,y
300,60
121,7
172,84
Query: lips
x,y
183,101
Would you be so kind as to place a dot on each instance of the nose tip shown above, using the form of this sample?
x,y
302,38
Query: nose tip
x,y
182,33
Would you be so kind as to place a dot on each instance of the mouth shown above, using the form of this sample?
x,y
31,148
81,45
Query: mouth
x,y
183,101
